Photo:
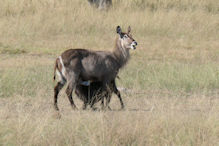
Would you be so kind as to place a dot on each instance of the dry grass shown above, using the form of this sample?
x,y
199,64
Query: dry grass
x,y
171,82
148,120
51,26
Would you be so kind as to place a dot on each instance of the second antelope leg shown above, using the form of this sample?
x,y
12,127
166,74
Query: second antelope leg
x,y
84,106
108,96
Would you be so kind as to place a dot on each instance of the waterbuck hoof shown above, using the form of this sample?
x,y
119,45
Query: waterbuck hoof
x,y
74,108
57,115
95,109
122,109
84,107
109,108
56,108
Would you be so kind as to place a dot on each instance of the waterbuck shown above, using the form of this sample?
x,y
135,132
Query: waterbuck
x,y
77,65
92,92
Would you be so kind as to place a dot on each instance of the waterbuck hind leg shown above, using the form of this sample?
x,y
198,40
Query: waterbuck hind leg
x,y
69,91
57,89
71,86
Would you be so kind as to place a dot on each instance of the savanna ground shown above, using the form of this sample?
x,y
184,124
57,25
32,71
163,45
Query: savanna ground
x,y
171,83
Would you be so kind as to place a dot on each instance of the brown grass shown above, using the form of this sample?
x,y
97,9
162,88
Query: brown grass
x,y
147,120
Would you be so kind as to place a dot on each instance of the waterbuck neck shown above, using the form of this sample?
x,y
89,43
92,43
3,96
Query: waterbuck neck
x,y
121,53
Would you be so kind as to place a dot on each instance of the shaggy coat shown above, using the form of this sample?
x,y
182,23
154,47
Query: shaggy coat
x,y
77,65
94,92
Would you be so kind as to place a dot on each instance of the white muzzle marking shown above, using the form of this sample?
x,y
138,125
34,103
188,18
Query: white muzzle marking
x,y
133,45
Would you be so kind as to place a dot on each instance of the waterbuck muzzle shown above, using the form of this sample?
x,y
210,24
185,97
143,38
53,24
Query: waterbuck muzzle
x,y
133,45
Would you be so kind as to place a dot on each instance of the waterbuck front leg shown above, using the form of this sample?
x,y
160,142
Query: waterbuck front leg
x,y
117,92
57,89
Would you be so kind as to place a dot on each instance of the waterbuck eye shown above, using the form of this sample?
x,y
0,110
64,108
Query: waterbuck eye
x,y
125,36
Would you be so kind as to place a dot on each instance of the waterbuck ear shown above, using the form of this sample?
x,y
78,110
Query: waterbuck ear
x,y
119,30
129,29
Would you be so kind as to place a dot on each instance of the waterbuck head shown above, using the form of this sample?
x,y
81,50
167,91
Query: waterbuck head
x,y
126,40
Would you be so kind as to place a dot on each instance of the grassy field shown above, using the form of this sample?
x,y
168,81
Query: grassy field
x,y
170,85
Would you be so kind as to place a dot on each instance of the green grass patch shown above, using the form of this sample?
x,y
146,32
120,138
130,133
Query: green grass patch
x,y
7,50
25,81
171,76
139,75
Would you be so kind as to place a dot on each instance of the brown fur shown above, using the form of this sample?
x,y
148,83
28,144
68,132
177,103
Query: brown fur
x,y
102,66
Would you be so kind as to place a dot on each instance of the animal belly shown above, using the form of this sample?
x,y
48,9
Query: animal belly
x,y
90,78
91,75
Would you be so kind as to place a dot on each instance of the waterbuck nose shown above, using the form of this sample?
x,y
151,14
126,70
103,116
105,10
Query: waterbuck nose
x,y
135,43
